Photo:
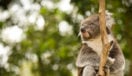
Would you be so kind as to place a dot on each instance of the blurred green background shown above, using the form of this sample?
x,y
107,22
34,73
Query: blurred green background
x,y
40,37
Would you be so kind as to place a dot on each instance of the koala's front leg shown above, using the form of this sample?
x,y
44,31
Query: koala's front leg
x,y
110,60
89,71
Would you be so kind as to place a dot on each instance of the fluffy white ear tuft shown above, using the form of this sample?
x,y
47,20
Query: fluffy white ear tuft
x,y
109,20
79,34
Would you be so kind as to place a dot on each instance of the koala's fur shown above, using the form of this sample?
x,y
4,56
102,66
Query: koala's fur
x,y
89,55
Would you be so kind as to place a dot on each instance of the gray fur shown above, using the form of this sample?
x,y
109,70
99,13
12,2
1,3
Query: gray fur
x,y
89,55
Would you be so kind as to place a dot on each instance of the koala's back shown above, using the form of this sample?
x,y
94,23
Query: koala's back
x,y
116,53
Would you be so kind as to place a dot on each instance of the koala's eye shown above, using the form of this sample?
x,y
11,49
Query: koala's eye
x,y
93,23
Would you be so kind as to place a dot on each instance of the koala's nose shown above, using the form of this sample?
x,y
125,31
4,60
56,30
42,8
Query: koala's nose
x,y
83,30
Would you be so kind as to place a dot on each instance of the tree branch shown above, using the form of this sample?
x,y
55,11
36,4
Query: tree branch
x,y
105,43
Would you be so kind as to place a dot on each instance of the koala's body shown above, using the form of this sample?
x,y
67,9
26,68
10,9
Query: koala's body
x,y
89,55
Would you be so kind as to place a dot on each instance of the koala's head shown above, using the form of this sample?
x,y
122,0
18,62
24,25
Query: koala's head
x,y
90,28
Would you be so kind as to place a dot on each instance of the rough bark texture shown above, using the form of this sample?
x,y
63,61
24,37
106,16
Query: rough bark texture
x,y
104,38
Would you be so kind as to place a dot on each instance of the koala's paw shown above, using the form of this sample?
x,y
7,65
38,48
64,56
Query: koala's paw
x,y
111,60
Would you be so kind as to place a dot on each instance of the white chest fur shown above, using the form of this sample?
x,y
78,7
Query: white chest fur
x,y
96,44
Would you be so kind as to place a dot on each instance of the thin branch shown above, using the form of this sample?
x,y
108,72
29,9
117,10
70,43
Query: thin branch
x,y
105,43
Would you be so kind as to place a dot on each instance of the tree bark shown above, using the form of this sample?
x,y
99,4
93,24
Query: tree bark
x,y
105,43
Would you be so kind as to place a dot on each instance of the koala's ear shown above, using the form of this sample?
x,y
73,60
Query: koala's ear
x,y
109,20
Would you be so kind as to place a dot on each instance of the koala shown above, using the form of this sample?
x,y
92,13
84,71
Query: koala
x,y
89,55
